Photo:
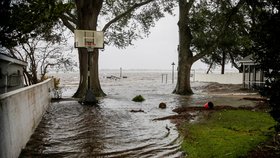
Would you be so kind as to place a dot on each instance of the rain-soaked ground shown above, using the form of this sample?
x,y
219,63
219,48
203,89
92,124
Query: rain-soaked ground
x,y
69,129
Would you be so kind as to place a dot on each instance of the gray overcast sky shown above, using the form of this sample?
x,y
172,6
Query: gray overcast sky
x,y
157,51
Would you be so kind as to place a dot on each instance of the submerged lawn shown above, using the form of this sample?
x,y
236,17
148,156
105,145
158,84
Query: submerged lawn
x,y
228,133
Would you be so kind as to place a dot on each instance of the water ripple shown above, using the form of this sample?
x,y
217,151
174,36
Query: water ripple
x,y
70,130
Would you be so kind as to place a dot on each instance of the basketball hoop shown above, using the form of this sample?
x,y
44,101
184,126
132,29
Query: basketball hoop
x,y
89,39
90,46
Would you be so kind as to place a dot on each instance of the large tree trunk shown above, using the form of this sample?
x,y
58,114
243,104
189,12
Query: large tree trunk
x,y
223,62
185,62
94,79
88,12
83,64
183,86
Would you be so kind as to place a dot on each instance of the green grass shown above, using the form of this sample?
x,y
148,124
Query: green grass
x,y
229,133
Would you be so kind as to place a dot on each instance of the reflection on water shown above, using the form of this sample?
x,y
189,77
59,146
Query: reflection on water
x,y
111,130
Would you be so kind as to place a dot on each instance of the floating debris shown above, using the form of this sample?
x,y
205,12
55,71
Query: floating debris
x,y
140,110
162,105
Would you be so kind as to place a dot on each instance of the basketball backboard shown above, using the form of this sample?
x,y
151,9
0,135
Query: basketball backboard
x,y
89,39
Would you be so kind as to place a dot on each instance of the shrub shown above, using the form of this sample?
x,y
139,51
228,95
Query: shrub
x,y
56,82
271,90
138,98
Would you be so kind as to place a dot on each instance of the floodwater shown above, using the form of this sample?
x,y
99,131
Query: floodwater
x,y
69,129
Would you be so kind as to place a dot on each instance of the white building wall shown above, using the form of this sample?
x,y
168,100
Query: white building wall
x,y
20,113
227,78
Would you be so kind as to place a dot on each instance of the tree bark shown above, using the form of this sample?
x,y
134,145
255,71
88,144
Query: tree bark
x,y
88,12
209,68
239,68
185,61
94,80
83,64
223,62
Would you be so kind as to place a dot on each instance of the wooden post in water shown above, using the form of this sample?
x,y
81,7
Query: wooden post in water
x,y
173,72
162,78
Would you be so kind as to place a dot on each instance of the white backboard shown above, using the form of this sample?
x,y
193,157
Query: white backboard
x,y
89,39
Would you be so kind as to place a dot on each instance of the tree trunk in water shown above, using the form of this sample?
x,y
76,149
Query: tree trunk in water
x,y
94,79
185,62
183,86
223,62
88,12
83,58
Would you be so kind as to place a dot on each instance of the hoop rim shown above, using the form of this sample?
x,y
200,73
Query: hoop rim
x,y
90,49
90,46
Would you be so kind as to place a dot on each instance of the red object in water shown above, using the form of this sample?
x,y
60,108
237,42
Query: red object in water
x,y
209,105
206,106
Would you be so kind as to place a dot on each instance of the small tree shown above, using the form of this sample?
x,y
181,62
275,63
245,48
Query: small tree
x,y
40,55
232,44
24,25
25,19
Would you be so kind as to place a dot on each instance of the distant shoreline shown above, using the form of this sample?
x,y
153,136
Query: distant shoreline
x,y
203,71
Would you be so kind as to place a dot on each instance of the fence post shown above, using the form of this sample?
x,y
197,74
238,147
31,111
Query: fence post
x,y
162,78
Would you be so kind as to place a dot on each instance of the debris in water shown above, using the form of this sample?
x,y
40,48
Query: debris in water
x,y
140,110
162,105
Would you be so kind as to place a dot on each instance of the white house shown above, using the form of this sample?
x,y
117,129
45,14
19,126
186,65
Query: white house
x,y
252,74
11,73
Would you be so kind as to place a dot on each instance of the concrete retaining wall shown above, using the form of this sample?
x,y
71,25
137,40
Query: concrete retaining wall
x,y
20,113
227,78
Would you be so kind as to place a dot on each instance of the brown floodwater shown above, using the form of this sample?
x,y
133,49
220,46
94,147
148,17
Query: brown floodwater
x,y
69,129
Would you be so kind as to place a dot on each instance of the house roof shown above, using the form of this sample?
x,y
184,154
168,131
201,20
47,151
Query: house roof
x,y
8,58
247,59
